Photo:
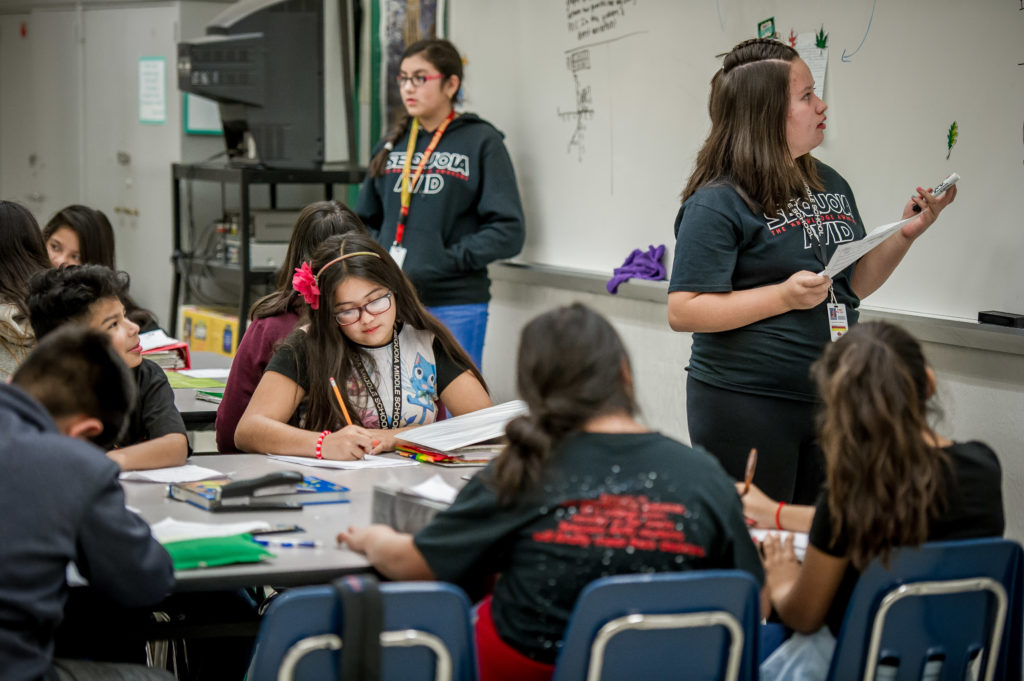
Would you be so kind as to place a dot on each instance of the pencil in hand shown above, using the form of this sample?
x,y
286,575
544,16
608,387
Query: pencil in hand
x,y
749,476
341,402
344,411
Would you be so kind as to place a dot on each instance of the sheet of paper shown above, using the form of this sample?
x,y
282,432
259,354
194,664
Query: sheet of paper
x,y
435,489
170,529
221,374
847,254
367,462
187,473
800,539
467,429
815,57
155,339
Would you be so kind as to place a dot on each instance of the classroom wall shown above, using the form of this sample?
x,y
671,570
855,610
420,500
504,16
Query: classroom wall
x,y
604,104
910,68
981,393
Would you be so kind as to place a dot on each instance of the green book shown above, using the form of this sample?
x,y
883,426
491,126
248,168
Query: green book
x,y
214,395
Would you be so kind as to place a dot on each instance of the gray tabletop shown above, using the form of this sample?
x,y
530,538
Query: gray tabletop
x,y
290,566
199,414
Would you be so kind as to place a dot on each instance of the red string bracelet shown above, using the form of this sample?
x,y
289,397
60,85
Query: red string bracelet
x,y
320,443
778,510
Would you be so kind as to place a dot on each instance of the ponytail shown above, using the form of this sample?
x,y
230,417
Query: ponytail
x,y
572,367
380,161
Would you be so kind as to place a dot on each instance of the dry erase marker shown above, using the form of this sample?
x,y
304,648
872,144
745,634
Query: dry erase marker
x,y
280,543
941,189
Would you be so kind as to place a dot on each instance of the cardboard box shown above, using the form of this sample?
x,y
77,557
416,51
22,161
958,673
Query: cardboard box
x,y
210,329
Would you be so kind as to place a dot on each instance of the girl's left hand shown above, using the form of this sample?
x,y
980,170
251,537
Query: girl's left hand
x,y
781,568
384,439
355,538
930,209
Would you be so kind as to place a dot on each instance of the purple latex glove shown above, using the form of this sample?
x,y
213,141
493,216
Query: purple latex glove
x,y
639,265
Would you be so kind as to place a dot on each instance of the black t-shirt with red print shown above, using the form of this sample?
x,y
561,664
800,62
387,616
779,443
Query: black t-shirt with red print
x,y
606,504
721,246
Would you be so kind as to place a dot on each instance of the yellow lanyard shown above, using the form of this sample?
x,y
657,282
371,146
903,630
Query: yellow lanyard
x,y
408,184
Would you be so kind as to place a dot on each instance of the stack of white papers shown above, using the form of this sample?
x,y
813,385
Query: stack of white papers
x,y
467,429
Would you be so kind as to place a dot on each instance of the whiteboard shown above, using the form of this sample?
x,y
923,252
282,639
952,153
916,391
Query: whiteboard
x,y
604,104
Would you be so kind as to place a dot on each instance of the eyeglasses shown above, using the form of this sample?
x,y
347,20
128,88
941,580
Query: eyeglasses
x,y
374,307
417,80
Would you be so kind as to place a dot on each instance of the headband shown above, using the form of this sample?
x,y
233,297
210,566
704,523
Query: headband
x,y
307,284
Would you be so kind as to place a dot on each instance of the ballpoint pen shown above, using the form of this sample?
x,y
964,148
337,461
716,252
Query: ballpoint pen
x,y
285,544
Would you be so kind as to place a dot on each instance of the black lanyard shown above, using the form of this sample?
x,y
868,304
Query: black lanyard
x,y
396,375
815,235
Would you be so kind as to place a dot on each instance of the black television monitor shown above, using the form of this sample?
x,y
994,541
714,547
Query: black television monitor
x,y
282,73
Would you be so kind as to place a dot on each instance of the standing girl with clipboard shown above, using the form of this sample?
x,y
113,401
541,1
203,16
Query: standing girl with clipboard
x,y
441,194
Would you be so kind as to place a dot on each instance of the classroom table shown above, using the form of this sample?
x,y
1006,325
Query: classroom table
x,y
290,566
199,414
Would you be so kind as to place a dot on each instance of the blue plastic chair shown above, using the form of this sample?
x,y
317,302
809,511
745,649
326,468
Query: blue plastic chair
x,y
945,611
678,625
426,635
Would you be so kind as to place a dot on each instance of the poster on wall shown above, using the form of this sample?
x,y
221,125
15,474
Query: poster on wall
x,y
152,90
403,22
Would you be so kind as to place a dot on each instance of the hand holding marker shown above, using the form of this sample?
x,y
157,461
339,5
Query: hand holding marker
x,y
941,189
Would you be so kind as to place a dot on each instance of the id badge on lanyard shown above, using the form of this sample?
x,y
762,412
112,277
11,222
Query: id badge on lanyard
x,y
838,322
398,252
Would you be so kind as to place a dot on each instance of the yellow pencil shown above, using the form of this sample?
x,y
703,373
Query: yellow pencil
x,y
341,402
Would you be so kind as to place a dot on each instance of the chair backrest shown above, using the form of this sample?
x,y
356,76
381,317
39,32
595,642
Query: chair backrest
x,y
677,625
944,611
426,634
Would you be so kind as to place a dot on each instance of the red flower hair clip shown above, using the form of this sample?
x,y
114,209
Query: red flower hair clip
x,y
304,282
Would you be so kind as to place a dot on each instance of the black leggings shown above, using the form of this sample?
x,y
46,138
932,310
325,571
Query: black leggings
x,y
727,423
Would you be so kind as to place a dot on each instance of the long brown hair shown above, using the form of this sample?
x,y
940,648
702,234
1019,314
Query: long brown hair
x,y
747,146
328,351
96,247
22,253
316,222
443,56
95,235
572,367
885,477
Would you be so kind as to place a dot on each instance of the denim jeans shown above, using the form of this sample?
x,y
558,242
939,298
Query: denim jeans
x,y
468,323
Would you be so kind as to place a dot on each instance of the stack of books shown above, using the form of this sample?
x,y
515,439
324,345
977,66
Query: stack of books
x,y
168,353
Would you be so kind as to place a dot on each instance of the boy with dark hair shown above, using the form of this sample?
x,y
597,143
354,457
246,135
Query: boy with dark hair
x,y
93,295
60,501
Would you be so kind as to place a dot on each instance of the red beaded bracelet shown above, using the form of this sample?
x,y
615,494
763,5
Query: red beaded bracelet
x,y
320,443
778,511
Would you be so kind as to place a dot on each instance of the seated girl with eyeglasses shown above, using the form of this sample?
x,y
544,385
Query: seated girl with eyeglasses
x,y
392,360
